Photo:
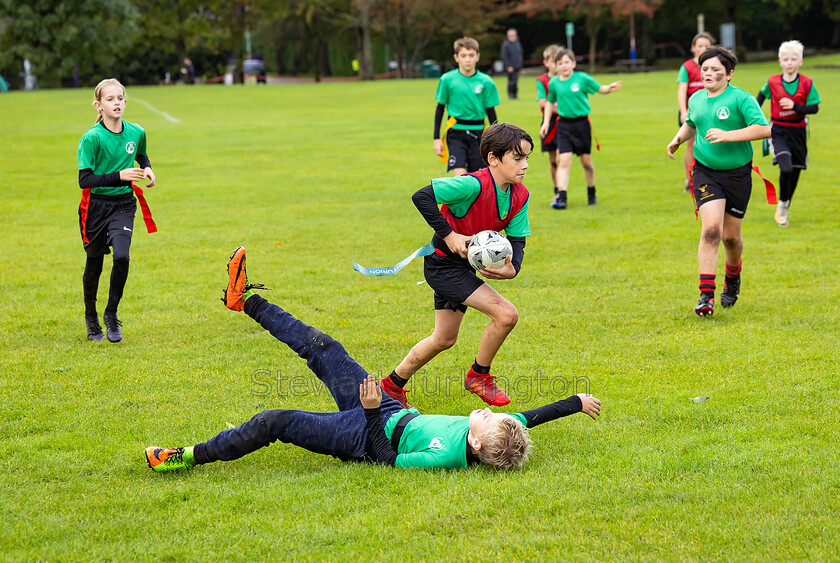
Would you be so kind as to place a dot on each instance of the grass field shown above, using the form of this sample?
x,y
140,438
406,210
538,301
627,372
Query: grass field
x,y
313,176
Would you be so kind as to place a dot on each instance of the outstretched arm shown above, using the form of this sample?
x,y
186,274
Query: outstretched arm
x,y
582,402
612,87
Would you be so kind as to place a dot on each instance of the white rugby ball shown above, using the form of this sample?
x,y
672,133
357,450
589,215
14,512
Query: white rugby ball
x,y
488,249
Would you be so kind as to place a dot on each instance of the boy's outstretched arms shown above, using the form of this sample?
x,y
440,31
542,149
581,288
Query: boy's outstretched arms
x,y
590,405
612,87
582,402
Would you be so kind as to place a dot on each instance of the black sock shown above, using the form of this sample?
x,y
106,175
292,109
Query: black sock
x,y
733,272
254,307
707,284
562,194
90,283
397,380
590,190
480,369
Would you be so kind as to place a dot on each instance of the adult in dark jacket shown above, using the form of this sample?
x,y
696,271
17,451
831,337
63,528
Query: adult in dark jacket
x,y
512,58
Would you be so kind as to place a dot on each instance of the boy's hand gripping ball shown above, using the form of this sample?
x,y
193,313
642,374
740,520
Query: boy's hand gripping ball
x,y
488,249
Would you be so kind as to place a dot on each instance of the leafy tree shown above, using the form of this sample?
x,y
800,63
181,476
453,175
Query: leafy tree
x,y
596,13
304,33
61,37
410,25
361,11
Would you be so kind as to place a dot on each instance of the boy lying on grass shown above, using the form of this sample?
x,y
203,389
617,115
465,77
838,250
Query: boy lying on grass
x,y
368,426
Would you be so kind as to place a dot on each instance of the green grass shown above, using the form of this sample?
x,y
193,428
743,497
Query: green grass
x,y
312,176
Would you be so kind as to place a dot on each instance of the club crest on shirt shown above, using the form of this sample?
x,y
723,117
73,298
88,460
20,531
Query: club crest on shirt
x,y
130,147
575,87
723,113
478,88
436,444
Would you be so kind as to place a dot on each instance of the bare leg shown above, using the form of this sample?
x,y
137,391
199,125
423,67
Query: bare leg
x,y
447,325
733,242
564,166
588,169
552,164
503,317
712,216
458,171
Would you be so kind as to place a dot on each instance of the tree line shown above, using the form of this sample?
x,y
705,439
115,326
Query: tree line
x,y
77,42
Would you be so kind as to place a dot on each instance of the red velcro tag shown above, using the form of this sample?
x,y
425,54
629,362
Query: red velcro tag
x,y
144,207
768,187
84,206
597,144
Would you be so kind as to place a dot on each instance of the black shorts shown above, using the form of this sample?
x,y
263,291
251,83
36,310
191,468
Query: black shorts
x,y
733,185
463,149
791,140
550,146
108,216
574,135
452,279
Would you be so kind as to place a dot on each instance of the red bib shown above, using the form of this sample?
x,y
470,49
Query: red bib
x,y
552,130
483,214
695,83
783,116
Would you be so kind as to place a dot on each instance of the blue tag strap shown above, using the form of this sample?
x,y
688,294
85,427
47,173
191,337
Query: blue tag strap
x,y
392,270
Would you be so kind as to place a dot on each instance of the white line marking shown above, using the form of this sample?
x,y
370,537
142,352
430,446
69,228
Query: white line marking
x,y
157,111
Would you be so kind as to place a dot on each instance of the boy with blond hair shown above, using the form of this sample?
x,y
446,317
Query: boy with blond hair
x,y
792,98
369,426
467,95
549,143
570,91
